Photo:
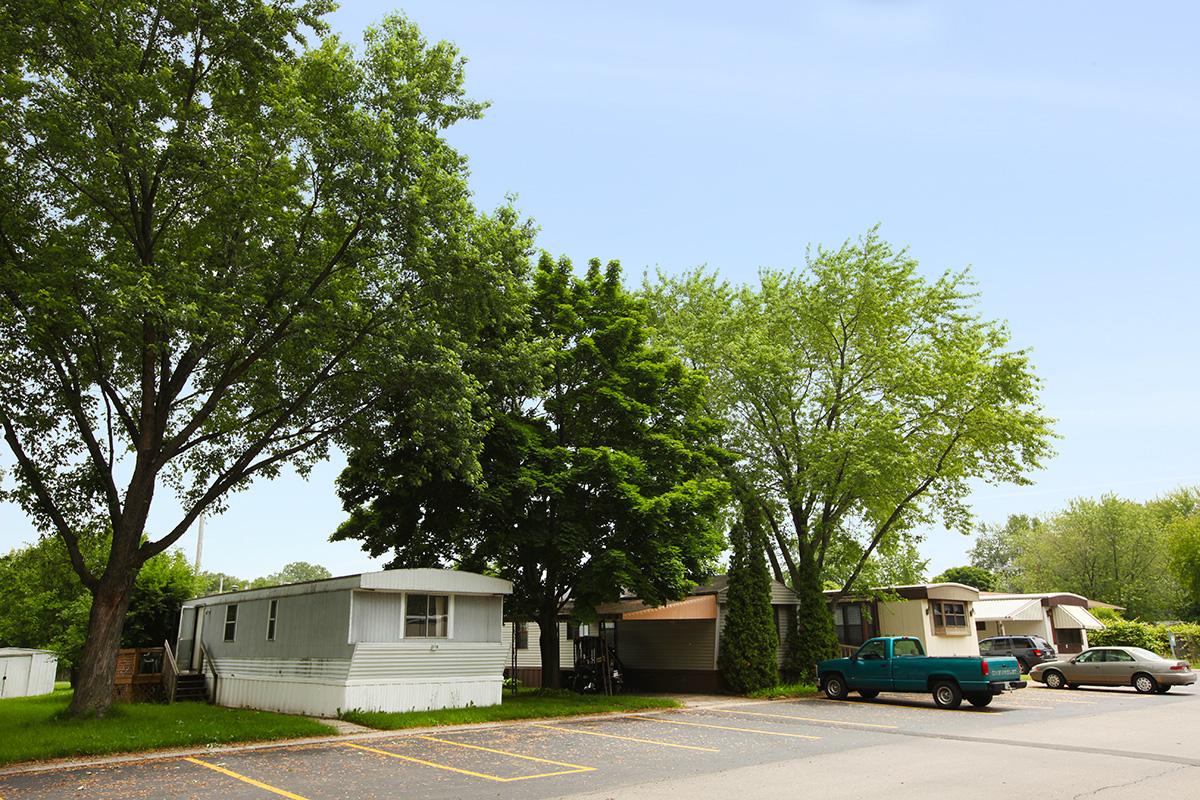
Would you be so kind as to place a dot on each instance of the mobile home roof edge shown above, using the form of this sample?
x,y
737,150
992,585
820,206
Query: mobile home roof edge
x,y
394,580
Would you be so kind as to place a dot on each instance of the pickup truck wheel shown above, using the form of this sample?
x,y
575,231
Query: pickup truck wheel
x,y
869,694
1054,679
980,700
1144,683
835,687
947,695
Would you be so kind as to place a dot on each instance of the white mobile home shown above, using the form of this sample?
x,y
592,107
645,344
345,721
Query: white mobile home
x,y
669,648
940,614
396,640
25,673
1061,618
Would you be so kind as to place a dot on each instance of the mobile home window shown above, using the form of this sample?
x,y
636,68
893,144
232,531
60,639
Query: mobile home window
x,y
426,616
949,615
272,614
230,622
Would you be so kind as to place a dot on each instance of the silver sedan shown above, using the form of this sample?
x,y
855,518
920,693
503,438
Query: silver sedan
x,y
1115,666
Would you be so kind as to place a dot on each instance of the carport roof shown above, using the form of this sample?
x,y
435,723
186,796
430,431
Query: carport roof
x,y
1001,610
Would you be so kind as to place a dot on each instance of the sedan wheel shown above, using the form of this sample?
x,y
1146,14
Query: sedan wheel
x,y
1144,683
1054,679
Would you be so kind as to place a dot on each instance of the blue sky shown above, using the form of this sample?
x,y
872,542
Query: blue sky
x,y
1053,148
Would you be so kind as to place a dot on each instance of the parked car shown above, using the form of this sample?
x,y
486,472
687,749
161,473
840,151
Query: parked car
x,y
1116,666
1027,650
899,664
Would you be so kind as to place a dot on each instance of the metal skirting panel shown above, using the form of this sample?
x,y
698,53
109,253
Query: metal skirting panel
x,y
692,681
427,659
423,695
302,669
686,645
280,694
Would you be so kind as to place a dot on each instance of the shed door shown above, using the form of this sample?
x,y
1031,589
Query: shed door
x,y
14,676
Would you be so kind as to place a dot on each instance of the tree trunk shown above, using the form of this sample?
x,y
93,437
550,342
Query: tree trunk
x,y
98,664
548,644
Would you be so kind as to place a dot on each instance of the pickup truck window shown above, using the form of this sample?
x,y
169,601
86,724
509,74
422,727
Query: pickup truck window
x,y
874,650
906,648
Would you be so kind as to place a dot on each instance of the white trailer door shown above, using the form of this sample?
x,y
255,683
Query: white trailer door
x,y
14,676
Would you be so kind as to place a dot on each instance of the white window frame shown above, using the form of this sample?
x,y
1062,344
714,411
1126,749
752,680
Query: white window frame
x,y
449,616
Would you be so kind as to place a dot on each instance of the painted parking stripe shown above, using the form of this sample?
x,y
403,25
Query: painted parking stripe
x,y
727,728
626,738
573,768
805,719
245,779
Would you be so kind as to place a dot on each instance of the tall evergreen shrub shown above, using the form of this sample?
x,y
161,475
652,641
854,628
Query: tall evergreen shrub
x,y
749,640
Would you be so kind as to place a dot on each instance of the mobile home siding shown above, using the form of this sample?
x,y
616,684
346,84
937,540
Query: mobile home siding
x,y
532,656
308,626
377,617
477,619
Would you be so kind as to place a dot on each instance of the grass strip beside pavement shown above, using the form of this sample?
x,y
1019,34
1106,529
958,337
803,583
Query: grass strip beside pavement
x,y
785,690
37,728
527,704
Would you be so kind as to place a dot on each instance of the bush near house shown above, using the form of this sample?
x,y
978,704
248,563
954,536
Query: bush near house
x,y
1187,640
1131,633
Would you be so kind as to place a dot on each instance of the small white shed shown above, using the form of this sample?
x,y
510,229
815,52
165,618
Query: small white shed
x,y
25,673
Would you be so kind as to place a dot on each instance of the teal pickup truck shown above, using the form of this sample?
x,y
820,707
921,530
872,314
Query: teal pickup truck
x,y
899,664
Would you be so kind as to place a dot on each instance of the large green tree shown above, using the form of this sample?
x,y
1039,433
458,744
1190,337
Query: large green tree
x,y
597,476
863,400
978,577
223,235
46,606
1110,549
997,548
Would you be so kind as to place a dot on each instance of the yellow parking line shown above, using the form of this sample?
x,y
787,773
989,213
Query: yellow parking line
x,y
423,762
624,738
575,767
804,719
244,779
727,728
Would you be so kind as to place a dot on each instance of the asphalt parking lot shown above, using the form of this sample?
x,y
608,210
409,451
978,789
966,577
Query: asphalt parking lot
x,y
1096,743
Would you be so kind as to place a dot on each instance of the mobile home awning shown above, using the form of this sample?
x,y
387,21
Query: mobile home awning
x,y
1005,610
702,606
1075,617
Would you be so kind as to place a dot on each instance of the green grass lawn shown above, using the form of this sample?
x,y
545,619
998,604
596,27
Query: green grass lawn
x,y
785,690
35,728
526,704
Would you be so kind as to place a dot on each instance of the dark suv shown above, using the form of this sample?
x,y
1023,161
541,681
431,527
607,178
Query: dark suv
x,y
1027,650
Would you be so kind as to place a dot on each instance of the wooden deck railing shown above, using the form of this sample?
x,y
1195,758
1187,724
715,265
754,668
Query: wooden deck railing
x,y
847,650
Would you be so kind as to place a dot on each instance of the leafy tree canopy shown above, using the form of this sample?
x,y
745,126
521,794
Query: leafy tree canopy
x,y
597,473
861,399
997,546
295,572
224,234
978,577
1109,549
45,605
